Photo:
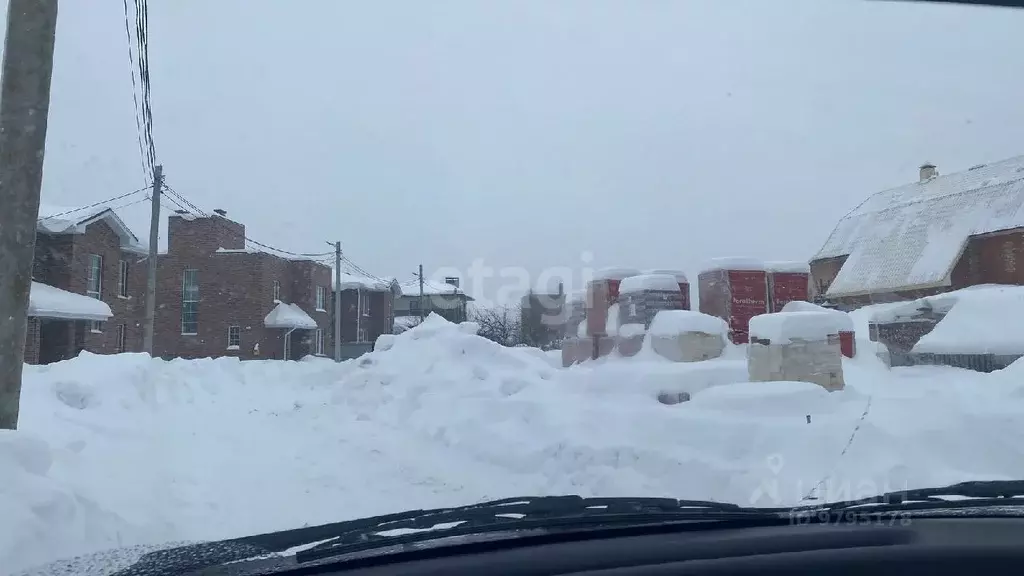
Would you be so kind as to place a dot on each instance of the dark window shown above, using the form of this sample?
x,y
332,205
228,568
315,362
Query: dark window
x,y
234,337
122,279
94,285
190,301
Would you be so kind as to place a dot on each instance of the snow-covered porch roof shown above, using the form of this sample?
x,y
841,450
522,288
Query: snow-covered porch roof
x,y
286,315
47,301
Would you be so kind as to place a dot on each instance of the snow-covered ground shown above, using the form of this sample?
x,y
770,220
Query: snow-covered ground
x,y
115,451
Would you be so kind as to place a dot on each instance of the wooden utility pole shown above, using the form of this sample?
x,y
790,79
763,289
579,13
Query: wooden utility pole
x,y
154,235
24,107
422,315
337,301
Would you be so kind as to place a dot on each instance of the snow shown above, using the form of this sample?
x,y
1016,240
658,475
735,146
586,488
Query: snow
x,y
631,330
403,323
980,323
47,301
783,327
843,321
674,322
649,282
612,273
356,282
257,250
733,263
679,275
128,450
286,315
611,323
912,236
56,219
788,266
430,288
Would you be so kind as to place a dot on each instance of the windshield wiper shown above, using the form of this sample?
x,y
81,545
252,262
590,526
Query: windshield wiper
x,y
973,494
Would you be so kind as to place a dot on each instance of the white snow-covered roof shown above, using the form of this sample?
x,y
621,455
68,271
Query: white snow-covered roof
x,y
788,266
679,275
783,327
430,288
675,322
286,315
844,323
356,282
64,220
913,235
977,324
649,282
612,273
254,250
733,263
47,301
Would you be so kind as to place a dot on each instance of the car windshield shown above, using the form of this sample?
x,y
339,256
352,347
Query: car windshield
x,y
286,264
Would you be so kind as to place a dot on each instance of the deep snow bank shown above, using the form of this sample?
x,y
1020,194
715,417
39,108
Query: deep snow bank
x,y
127,450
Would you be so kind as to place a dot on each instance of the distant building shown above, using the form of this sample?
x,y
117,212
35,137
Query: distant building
x,y
938,234
367,308
542,318
446,299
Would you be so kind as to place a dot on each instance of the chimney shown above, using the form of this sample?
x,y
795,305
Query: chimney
x,y
220,212
928,171
181,211
452,280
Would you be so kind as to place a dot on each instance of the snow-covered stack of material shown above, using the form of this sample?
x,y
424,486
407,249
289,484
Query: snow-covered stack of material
x,y
642,297
787,282
681,280
844,324
795,346
577,315
735,290
602,292
631,339
687,336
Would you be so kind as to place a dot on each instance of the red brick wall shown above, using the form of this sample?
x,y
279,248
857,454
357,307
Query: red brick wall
x,y
991,259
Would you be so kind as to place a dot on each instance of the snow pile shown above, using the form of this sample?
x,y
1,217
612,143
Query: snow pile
x,y
783,327
46,301
979,324
675,322
632,330
613,273
125,450
649,282
844,323
679,275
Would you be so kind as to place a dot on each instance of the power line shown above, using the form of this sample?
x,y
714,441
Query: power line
x,y
179,200
135,96
94,205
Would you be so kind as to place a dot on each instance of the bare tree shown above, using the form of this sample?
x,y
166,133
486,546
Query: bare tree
x,y
498,323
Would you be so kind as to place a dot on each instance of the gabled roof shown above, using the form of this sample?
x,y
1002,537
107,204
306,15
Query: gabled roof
x,y
63,220
910,237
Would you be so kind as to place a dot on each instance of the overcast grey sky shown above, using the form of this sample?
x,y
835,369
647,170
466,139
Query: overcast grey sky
x,y
649,133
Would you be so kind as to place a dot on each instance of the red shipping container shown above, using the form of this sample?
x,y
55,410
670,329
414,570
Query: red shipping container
x,y
684,284
602,292
847,344
735,290
785,287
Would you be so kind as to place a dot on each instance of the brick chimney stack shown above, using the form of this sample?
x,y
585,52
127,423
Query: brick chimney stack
x,y
928,171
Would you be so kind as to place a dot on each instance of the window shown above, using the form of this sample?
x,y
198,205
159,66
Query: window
x,y
190,301
277,291
234,337
122,330
414,306
94,285
319,349
364,303
122,279
321,298
361,337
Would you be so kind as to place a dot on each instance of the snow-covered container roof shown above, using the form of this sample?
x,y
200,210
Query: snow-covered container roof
x,y
68,220
675,322
733,263
844,323
788,266
784,327
912,236
45,301
679,275
649,283
286,315
978,323
613,273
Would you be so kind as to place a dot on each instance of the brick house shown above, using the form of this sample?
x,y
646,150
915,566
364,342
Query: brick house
x,y
446,299
367,308
216,297
55,316
938,234
89,252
